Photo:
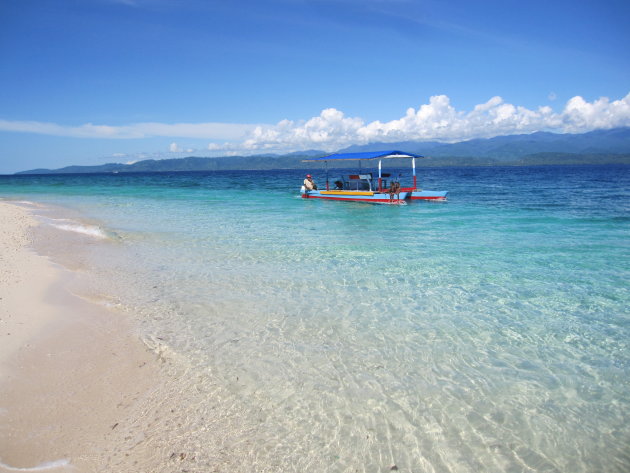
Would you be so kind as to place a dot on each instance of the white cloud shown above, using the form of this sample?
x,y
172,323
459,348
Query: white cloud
x,y
580,115
207,131
330,129
175,148
437,120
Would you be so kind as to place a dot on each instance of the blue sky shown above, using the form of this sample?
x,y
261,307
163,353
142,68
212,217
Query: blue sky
x,y
95,81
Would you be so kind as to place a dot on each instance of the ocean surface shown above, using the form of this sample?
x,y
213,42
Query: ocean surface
x,y
487,333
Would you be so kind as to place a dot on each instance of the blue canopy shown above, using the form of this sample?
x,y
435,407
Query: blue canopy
x,y
367,155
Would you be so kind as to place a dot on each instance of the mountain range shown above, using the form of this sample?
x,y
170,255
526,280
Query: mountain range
x,y
514,147
542,148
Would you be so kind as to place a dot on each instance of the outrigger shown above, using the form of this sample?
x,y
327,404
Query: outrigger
x,y
363,187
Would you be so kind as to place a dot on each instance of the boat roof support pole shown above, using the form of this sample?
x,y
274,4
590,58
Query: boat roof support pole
x,y
327,185
380,181
413,165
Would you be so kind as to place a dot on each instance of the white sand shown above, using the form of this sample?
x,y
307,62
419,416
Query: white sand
x,y
71,372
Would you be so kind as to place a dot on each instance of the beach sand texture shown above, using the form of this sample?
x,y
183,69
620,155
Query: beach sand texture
x,y
72,372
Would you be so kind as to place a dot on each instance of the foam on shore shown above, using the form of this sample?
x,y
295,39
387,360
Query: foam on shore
x,y
46,466
89,230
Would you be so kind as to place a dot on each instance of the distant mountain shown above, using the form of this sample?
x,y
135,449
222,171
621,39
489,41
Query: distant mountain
x,y
309,153
409,146
191,163
595,147
514,147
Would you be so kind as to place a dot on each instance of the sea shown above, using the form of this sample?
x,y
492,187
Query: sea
x,y
486,333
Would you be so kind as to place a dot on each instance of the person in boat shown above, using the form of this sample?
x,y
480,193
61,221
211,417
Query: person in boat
x,y
394,189
338,185
309,184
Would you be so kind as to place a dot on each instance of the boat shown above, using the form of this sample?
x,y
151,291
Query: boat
x,y
364,187
357,187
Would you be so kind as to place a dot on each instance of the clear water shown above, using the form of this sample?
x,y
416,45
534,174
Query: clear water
x,y
487,333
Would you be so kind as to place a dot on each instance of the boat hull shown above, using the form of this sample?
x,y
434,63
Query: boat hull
x,y
355,196
428,195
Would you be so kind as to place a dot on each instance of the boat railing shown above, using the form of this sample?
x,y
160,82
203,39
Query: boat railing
x,y
358,182
366,182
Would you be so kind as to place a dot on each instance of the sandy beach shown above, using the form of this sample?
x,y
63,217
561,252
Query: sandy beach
x,y
72,372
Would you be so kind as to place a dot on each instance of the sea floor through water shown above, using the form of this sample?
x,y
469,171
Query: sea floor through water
x,y
486,333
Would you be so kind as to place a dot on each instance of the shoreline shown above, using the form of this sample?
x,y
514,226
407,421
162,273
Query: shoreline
x,y
72,372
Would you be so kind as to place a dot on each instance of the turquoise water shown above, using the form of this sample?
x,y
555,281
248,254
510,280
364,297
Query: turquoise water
x,y
487,333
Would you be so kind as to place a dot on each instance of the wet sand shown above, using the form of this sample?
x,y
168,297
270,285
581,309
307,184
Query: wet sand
x,y
73,374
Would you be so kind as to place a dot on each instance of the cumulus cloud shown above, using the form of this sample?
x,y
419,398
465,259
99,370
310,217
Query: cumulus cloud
x,y
175,148
330,129
437,120
580,115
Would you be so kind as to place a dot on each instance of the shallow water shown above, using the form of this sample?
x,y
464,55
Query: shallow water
x,y
486,333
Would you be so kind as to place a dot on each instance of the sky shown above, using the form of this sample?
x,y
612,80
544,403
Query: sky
x,y
95,81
